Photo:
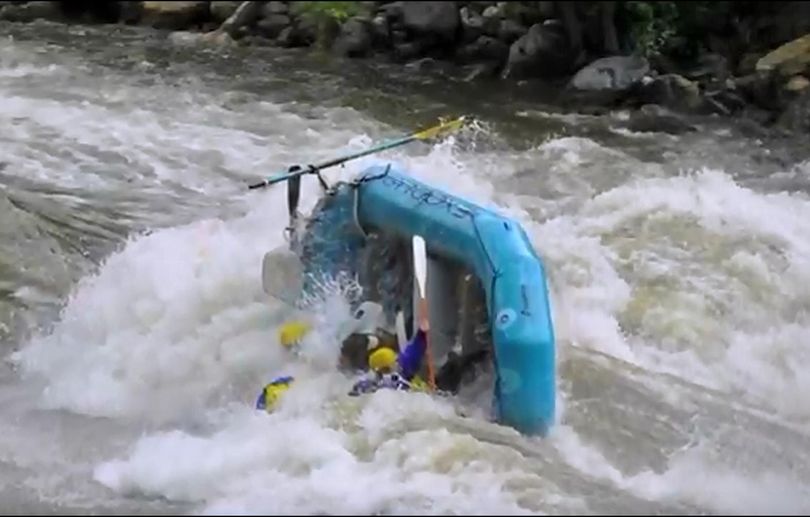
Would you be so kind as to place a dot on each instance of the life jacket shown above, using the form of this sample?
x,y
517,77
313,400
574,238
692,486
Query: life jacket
x,y
272,392
392,381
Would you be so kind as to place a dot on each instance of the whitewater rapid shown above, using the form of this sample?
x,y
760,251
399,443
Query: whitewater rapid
x,y
677,272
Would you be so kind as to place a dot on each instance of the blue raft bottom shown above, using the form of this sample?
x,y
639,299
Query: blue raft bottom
x,y
335,245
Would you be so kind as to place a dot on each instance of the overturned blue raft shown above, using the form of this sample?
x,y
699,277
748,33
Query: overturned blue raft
x,y
386,201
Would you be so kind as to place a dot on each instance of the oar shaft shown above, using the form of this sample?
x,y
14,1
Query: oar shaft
x,y
422,135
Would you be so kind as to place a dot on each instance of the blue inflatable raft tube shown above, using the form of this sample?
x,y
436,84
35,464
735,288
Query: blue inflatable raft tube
x,y
494,247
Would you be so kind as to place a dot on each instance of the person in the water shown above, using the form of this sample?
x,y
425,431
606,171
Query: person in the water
x,y
365,334
393,369
373,351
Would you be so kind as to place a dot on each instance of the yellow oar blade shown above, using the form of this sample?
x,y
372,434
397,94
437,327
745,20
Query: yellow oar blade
x,y
444,127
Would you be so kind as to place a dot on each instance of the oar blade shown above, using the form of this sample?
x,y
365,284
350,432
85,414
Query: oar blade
x,y
420,264
444,127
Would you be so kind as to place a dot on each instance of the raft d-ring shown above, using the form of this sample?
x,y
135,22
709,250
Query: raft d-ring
x,y
505,318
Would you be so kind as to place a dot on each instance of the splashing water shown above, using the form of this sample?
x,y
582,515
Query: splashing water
x,y
677,295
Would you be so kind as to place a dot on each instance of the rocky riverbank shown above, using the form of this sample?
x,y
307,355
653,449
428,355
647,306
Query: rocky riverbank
x,y
730,58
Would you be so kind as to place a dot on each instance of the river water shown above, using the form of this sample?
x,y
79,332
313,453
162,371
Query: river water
x,y
135,332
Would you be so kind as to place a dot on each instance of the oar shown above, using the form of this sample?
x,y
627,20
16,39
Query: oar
x,y
420,272
425,134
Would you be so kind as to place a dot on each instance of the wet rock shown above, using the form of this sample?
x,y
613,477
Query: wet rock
x,y
510,30
220,11
245,15
472,24
797,84
399,36
542,52
271,26
748,63
276,8
763,89
796,117
712,66
380,32
293,36
524,13
426,64
723,102
392,12
440,19
485,48
670,90
486,70
130,12
174,15
30,11
607,79
408,50
285,37
355,38
496,12
790,59
780,23
652,118
546,10
491,20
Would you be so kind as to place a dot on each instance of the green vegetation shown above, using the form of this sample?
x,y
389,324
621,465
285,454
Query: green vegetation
x,y
337,11
677,29
326,18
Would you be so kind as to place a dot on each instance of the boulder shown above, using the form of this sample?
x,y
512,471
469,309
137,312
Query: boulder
x,y
472,24
292,36
174,15
797,84
440,19
485,48
408,50
30,11
354,39
130,13
220,11
713,66
510,30
380,32
607,79
748,63
542,52
244,16
652,118
790,59
276,8
491,20
670,90
796,117
272,25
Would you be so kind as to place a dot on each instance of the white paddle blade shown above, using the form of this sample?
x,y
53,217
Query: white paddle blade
x,y
282,275
420,264
402,337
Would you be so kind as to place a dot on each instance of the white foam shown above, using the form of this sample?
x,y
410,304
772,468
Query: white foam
x,y
353,456
695,477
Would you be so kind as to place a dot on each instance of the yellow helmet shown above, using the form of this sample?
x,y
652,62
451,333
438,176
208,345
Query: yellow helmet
x,y
382,359
291,332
